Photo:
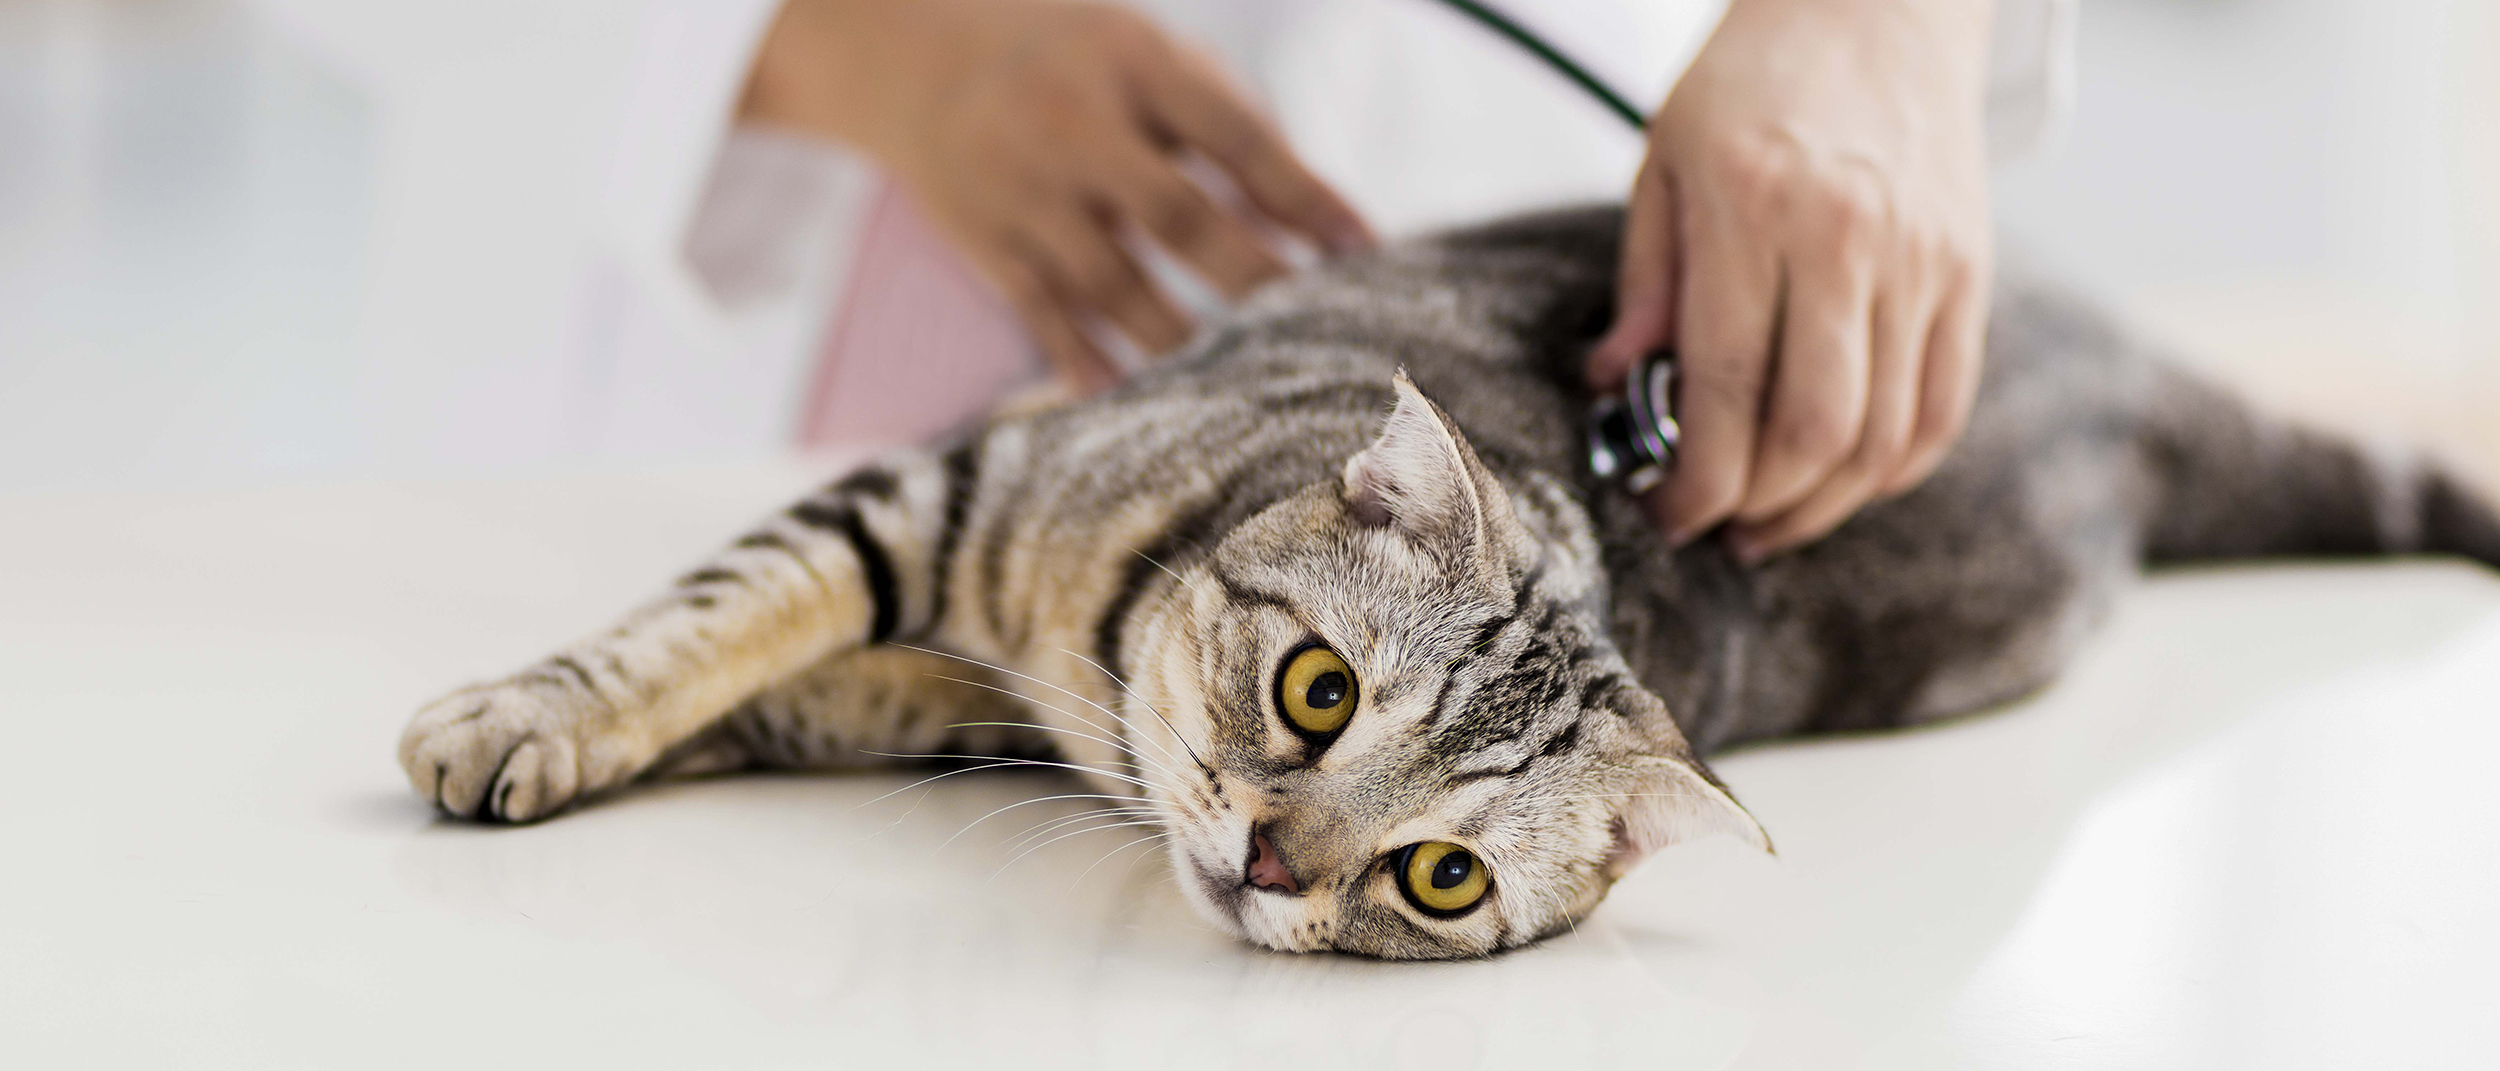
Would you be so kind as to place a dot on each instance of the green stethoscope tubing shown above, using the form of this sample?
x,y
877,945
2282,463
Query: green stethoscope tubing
x,y
1553,57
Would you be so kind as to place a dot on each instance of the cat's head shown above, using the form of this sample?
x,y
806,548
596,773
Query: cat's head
x,y
1411,734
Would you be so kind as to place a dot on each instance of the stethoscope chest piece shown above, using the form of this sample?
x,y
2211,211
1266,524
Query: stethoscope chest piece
x,y
1632,438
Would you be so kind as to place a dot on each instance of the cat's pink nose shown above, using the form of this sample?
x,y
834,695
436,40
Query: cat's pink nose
x,y
1266,870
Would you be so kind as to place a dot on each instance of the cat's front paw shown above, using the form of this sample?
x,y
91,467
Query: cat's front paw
x,y
502,752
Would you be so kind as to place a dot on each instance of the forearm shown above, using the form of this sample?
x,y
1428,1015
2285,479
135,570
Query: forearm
x,y
1809,232
1950,34
863,72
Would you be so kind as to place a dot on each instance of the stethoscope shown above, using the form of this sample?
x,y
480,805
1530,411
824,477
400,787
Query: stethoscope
x,y
1632,438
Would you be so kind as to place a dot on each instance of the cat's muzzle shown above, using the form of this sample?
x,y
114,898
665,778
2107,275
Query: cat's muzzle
x,y
1632,438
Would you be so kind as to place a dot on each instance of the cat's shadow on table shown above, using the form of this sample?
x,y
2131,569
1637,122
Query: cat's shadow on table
x,y
1904,858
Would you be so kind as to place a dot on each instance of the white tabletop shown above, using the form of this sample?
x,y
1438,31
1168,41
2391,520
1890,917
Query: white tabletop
x,y
2254,827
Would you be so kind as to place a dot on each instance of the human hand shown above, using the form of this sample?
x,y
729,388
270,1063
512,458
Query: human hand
x,y
1810,232
1039,133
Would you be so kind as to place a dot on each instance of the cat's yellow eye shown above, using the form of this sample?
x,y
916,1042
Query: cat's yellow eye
x,y
1316,691
1443,878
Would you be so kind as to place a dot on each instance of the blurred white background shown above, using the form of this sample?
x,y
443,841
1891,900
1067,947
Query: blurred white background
x,y
203,204
247,243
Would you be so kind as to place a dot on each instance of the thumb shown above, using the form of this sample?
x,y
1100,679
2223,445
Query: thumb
x,y
1644,283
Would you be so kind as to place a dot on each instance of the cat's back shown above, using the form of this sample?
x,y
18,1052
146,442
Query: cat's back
x,y
1487,321
1493,323
1966,590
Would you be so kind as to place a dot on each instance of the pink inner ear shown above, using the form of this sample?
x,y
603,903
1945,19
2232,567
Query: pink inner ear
x,y
1416,475
1364,497
1624,855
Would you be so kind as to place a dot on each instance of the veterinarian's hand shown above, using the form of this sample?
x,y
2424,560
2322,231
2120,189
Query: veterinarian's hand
x,y
1810,233
1039,133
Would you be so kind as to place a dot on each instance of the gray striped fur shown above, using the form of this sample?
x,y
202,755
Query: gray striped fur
x,y
1539,678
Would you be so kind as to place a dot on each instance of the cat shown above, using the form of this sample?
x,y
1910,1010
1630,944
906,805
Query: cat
x,y
1413,685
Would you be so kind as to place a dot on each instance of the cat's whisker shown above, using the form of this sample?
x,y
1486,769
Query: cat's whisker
x,y
1106,856
988,762
1025,676
915,807
994,761
1121,746
1612,796
1167,570
996,668
1141,701
1122,719
1131,753
1002,867
1044,827
1097,811
1027,803
1132,726
939,776
1114,678
1142,857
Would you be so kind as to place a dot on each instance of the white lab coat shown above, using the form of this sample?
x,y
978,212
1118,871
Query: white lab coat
x,y
579,255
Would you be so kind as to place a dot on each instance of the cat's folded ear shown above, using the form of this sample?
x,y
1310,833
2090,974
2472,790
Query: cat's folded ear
x,y
1420,476
1670,801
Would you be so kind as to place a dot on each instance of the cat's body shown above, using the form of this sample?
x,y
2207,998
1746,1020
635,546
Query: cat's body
x,y
1149,570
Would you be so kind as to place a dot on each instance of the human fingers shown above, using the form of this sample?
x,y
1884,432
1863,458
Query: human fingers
x,y
1728,298
1084,261
1816,405
1644,282
1949,379
1184,97
1149,190
1900,333
1026,284
1078,362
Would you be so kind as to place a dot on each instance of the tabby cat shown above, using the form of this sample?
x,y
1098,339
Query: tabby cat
x,y
1417,686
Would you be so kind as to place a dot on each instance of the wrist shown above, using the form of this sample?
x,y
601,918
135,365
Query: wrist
x,y
1942,13
862,72
1949,33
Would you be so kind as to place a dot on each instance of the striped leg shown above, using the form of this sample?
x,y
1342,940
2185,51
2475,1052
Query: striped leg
x,y
864,708
850,565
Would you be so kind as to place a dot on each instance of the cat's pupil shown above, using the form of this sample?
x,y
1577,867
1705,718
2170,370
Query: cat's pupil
x,y
1452,869
1328,691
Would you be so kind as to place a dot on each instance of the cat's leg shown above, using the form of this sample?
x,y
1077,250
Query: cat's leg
x,y
855,563
866,707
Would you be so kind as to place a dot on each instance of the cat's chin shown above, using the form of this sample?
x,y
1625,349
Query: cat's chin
x,y
1280,923
1273,921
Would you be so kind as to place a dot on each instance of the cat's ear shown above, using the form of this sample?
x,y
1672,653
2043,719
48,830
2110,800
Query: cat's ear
x,y
1421,476
1670,801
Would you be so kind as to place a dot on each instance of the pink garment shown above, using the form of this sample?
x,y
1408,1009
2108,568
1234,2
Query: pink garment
x,y
919,343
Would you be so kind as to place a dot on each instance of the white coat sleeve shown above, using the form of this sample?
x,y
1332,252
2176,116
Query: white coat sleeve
x,y
2031,75
672,121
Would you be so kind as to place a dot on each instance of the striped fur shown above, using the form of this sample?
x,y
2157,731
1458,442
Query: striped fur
x,y
1115,585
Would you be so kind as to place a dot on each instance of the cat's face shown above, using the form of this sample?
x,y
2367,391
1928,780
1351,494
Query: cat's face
x,y
1398,725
